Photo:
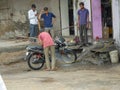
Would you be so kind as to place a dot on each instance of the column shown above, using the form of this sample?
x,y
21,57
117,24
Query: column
x,y
116,20
96,18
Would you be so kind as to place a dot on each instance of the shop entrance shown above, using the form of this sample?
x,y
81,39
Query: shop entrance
x,y
106,7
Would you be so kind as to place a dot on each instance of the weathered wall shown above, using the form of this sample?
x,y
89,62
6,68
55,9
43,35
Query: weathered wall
x,y
13,15
4,16
116,22
54,4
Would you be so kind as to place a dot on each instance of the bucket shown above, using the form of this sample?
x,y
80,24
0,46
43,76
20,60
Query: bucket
x,y
114,56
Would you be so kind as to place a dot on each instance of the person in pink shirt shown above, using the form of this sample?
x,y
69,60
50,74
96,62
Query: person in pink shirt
x,y
49,48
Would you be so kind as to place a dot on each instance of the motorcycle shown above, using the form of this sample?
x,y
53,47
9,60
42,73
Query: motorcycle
x,y
35,55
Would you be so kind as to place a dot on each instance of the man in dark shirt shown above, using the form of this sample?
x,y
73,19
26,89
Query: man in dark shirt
x,y
83,23
49,19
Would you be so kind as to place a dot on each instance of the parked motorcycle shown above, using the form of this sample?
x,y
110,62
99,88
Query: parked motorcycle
x,y
36,59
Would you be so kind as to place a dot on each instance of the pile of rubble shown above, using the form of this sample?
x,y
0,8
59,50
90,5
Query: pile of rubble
x,y
98,53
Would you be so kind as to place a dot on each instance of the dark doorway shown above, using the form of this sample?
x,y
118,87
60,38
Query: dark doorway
x,y
107,16
71,17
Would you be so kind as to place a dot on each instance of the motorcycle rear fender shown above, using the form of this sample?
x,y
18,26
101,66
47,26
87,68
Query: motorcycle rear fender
x,y
32,53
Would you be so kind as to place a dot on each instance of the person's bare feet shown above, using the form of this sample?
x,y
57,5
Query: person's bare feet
x,y
47,69
54,69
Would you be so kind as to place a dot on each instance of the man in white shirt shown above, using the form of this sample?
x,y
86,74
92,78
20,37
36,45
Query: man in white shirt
x,y
32,16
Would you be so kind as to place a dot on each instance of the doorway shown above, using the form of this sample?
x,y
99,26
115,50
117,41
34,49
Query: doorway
x,y
67,17
106,7
71,17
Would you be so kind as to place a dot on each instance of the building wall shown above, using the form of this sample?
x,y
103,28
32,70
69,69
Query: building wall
x,y
96,18
64,17
55,8
116,20
13,15
4,16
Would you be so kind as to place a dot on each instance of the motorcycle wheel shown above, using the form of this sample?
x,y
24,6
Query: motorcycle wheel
x,y
35,62
72,55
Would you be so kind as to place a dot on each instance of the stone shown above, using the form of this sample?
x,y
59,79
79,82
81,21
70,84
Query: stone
x,y
11,34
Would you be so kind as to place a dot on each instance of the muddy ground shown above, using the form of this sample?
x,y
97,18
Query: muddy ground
x,y
18,76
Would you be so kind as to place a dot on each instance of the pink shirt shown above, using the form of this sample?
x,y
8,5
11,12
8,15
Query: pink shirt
x,y
46,39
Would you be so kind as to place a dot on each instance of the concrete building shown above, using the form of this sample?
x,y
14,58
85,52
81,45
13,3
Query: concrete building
x,y
14,20
13,16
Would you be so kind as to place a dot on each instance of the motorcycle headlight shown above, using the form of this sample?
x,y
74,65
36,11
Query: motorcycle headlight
x,y
27,53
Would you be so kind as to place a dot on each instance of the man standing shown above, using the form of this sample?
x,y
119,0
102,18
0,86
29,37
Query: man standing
x,y
49,19
83,23
32,16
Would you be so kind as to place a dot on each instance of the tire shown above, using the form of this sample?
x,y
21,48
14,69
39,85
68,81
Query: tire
x,y
39,64
72,55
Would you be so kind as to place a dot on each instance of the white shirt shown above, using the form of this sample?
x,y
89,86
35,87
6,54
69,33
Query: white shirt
x,y
32,18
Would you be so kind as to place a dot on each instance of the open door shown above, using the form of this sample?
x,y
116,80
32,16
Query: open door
x,y
106,8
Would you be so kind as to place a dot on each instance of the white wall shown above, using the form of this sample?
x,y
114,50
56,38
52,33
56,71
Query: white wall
x,y
64,17
116,20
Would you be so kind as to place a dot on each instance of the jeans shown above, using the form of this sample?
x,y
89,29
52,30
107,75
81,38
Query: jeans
x,y
33,30
83,34
51,31
50,50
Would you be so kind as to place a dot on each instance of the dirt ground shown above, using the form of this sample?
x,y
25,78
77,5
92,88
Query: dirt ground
x,y
18,76
9,57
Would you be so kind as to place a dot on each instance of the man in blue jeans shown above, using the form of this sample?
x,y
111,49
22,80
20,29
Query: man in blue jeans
x,y
32,16
83,23
49,19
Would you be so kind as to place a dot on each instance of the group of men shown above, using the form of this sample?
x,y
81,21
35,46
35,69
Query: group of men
x,y
47,35
34,18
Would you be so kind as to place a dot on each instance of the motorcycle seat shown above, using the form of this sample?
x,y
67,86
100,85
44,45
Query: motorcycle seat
x,y
36,47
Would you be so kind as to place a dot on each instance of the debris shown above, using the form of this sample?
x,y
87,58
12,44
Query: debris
x,y
98,53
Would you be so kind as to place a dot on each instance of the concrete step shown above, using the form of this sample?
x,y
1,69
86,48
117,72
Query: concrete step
x,y
12,46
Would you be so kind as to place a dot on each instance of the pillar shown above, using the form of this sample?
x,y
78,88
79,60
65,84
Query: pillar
x,y
96,18
116,20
